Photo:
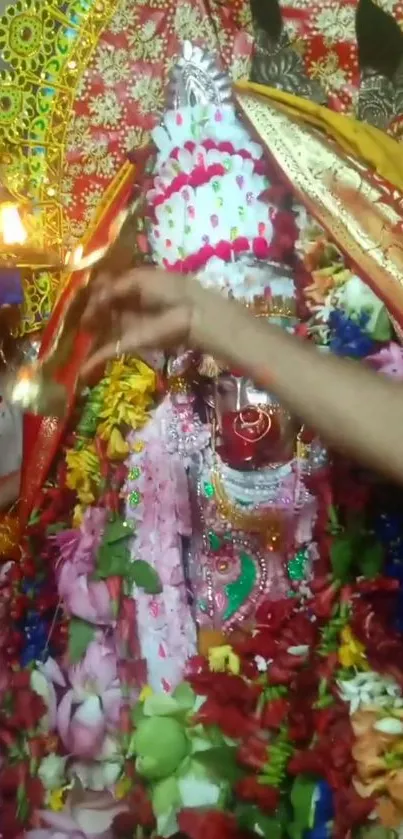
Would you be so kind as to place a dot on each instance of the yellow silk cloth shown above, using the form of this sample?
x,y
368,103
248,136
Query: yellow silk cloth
x,y
347,174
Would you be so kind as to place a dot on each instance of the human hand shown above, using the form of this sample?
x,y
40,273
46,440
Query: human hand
x,y
148,308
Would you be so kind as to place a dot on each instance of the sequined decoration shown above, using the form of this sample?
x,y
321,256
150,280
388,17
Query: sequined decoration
x,y
134,498
297,565
134,473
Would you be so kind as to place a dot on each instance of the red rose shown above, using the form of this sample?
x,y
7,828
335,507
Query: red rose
x,y
300,723
28,709
139,814
11,826
308,762
21,679
326,667
274,713
140,804
322,603
265,796
261,643
272,615
6,738
351,811
299,630
282,675
226,689
231,721
253,753
11,777
211,825
35,793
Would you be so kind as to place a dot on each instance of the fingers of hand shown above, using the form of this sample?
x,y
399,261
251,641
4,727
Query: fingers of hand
x,y
141,289
156,331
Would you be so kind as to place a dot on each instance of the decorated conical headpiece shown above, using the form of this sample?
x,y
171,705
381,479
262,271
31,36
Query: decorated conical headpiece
x,y
210,204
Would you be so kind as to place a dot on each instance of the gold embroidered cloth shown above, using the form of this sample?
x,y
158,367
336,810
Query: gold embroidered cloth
x,y
359,213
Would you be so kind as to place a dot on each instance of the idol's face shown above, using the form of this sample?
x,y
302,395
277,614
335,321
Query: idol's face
x,y
253,430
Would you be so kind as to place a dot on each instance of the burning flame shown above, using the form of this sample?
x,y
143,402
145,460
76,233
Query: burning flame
x,y
12,230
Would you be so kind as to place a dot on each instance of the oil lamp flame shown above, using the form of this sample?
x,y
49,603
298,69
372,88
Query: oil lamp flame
x,y
12,230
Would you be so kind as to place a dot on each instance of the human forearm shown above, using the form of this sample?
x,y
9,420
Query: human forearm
x,y
354,409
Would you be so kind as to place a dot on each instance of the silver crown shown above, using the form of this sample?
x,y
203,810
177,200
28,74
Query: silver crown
x,y
196,79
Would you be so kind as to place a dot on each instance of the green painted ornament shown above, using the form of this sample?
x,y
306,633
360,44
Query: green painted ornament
x,y
297,565
208,489
214,541
134,473
239,591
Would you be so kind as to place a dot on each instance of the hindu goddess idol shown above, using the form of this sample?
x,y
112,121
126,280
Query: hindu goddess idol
x,y
252,513
269,199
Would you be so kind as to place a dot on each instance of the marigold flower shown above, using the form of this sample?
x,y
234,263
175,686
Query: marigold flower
x,y
351,651
223,659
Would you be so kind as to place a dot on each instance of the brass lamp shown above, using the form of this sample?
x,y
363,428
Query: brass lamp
x,y
16,250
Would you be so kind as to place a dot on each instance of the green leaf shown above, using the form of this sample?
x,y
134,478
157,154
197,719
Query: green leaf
x,y
145,577
52,529
81,633
112,561
382,329
334,526
165,796
116,530
251,818
221,762
371,560
34,517
302,797
184,696
137,714
160,705
341,557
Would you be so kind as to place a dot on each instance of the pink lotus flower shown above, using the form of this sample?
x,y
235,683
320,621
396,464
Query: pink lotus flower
x,y
90,601
88,817
92,704
104,771
43,680
79,546
388,361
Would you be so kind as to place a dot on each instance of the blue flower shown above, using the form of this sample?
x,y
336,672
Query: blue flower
x,y
348,336
323,802
324,830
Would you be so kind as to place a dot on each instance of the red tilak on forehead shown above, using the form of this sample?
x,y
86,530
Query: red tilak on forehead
x,y
237,372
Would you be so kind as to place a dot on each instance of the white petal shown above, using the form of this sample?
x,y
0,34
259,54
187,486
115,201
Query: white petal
x,y
198,792
302,649
389,725
90,712
355,704
167,824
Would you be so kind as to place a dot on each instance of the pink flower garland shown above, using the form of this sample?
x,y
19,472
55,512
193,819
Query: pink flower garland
x,y
157,503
